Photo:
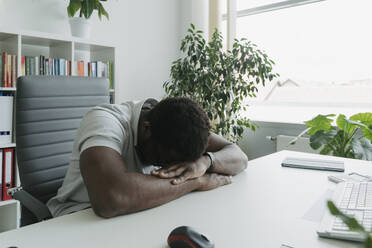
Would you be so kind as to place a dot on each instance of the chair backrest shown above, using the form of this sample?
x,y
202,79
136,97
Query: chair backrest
x,y
48,113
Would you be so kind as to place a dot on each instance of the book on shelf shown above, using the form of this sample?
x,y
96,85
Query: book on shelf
x,y
80,68
1,69
23,63
85,68
40,65
4,82
94,69
14,71
36,70
8,70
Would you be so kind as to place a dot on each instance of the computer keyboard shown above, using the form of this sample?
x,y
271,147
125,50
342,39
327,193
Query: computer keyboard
x,y
356,201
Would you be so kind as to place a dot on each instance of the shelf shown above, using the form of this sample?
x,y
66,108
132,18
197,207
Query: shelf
x,y
4,203
34,44
91,47
9,215
8,89
7,36
51,38
6,145
36,41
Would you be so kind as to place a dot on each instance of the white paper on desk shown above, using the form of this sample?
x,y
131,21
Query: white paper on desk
x,y
316,212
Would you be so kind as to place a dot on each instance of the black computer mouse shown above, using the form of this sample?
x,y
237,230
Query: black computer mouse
x,y
188,237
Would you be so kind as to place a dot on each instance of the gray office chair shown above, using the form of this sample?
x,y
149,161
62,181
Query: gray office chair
x,y
48,112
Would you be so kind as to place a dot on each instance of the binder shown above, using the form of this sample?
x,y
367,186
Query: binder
x,y
1,174
8,156
6,119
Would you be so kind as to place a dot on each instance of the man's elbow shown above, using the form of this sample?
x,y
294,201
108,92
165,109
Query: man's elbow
x,y
113,206
104,212
244,161
243,158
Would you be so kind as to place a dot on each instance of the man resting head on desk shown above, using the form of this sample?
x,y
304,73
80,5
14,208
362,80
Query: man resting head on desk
x,y
117,147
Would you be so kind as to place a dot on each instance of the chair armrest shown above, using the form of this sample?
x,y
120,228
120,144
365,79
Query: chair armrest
x,y
39,209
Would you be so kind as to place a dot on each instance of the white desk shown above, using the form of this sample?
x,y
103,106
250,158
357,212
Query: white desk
x,y
264,207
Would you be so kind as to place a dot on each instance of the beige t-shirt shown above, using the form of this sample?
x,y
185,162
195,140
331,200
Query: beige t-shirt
x,y
110,125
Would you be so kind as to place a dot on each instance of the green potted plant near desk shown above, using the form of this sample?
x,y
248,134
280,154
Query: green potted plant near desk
x,y
220,80
80,25
349,138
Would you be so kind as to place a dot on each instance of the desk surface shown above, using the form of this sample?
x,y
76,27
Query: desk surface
x,y
265,206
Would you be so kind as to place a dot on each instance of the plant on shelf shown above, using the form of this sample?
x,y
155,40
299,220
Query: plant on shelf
x,y
86,8
220,80
350,138
79,25
352,224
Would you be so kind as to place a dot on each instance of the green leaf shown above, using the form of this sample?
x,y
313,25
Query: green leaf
x,y
320,122
365,118
368,241
367,132
344,124
87,7
327,149
352,223
362,148
321,138
73,7
102,10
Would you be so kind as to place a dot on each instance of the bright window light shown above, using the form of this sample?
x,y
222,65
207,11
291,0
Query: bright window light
x,y
248,4
325,46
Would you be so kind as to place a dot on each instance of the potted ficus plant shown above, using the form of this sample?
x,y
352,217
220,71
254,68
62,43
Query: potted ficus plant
x,y
220,80
349,138
80,25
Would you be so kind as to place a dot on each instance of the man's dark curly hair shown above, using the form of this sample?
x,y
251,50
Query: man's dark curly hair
x,y
181,125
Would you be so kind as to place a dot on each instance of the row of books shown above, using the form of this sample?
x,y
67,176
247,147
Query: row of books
x,y
8,69
95,69
40,65
6,172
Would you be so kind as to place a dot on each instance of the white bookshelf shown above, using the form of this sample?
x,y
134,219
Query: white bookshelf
x,y
10,215
7,145
32,43
7,89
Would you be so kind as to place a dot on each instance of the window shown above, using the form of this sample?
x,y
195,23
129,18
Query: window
x,y
322,50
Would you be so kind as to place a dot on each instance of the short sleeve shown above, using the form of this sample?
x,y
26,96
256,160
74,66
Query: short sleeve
x,y
101,128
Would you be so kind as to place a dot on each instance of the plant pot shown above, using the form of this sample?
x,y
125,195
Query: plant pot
x,y
80,27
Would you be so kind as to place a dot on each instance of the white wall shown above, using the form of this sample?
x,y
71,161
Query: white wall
x,y
147,32
195,12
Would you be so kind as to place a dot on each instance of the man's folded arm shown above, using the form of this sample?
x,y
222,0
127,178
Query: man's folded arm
x,y
114,191
229,158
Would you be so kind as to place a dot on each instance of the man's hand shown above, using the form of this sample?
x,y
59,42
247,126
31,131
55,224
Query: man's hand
x,y
184,171
213,180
